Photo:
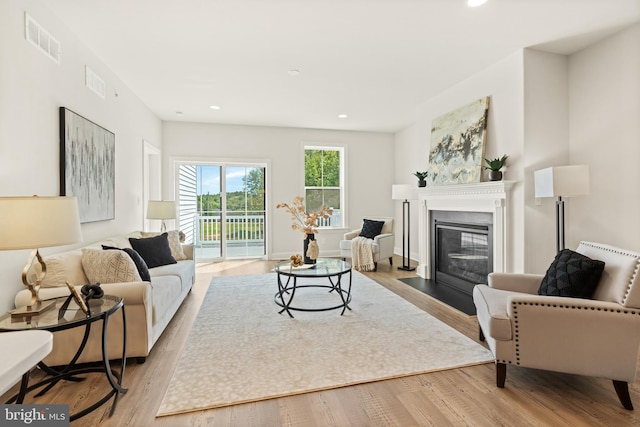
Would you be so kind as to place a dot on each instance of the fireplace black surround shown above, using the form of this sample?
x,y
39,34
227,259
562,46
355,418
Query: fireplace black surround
x,y
461,249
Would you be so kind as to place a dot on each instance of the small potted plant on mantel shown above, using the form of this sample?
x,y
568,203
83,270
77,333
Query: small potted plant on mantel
x,y
494,166
422,178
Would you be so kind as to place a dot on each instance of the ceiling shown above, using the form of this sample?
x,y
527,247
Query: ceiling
x,y
376,61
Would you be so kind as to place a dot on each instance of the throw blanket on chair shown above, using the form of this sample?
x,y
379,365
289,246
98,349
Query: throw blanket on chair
x,y
362,254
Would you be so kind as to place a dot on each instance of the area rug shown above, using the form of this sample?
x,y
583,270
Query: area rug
x,y
241,350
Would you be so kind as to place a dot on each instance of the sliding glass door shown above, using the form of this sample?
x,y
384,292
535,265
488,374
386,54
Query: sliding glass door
x,y
222,206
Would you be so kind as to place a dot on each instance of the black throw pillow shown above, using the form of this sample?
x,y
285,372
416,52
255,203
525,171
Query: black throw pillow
x,y
371,228
571,275
155,251
143,269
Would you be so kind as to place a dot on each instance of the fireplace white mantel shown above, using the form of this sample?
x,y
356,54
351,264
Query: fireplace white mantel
x,y
489,197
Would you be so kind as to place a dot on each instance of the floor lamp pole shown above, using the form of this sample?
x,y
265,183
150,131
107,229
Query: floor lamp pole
x,y
560,224
406,223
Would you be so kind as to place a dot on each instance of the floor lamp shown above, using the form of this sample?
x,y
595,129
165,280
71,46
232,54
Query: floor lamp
x,y
405,193
560,182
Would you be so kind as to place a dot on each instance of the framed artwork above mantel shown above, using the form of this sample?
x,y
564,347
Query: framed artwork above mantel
x,y
87,166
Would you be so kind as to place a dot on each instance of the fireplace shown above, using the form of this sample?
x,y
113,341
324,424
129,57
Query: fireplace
x,y
461,249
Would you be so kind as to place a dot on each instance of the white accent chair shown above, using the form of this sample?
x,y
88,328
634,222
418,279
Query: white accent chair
x,y
382,246
597,337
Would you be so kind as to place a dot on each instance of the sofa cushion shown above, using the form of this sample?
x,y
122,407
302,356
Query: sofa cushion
x,y
371,228
166,291
143,270
491,308
154,250
183,269
571,275
174,243
62,267
109,266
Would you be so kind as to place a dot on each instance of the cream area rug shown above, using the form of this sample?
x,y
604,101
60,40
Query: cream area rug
x,y
241,350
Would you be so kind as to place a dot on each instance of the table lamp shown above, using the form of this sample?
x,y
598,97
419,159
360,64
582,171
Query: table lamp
x,y
161,209
404,192
32,223
561,181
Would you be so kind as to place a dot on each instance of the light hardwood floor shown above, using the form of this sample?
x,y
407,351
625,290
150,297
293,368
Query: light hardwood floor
x,y
466,396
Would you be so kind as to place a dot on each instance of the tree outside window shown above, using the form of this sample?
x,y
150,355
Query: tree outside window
x,y
323,181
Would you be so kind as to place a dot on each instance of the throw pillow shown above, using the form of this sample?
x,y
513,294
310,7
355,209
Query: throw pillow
x,y
155,251
571,274
108,266
174,243
143,270
371,228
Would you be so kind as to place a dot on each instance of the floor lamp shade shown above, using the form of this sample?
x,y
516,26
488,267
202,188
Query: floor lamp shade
x,y
559,182
405,193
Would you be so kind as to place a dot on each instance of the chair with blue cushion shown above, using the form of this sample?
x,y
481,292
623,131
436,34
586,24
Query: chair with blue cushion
x,y
580,318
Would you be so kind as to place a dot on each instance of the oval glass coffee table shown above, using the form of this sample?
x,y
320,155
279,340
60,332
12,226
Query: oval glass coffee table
x,y
330,268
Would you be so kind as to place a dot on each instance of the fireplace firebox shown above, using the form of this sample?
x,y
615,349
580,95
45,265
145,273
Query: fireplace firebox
x,y
461,249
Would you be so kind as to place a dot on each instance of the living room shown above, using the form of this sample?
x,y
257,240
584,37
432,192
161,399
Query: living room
x,y
547,109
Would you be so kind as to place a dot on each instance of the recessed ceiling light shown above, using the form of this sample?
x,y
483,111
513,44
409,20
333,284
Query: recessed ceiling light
x,y
179,113
215,107
475,3
293,72
342,116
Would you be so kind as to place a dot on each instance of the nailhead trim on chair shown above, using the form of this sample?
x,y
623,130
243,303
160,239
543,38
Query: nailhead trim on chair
x,y
515,317
624,253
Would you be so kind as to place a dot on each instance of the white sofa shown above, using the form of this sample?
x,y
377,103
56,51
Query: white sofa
x,y
149,306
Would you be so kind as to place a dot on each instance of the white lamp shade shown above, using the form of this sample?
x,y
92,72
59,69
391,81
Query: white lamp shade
x,y
161,209
562,181
403,192
38,222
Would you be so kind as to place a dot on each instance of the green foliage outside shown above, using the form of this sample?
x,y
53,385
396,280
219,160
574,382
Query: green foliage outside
x,y
322,170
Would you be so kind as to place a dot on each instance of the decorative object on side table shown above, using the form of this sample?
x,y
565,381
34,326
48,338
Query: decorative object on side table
x,y
422,178
494,166
32,223
304,221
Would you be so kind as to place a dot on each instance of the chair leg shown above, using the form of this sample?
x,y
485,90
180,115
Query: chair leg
x,y
375,266
480,334
622,390
391,260
501,374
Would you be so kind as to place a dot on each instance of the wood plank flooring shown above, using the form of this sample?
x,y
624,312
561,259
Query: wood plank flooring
x,y
458,397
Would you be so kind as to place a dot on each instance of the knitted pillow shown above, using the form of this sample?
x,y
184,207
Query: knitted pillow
x,y
108,266
371,228
154,251
571,275
143,270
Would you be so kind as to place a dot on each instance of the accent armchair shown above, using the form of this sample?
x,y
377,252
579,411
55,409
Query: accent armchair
x,y
597,337
382,246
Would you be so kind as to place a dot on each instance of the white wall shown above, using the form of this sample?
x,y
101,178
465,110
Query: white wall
x,y
369,169
32,88
604,87
503,83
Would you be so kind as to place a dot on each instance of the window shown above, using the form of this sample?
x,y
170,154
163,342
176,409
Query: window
x,y
324,181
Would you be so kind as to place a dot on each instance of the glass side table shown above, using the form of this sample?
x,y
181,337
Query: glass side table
x,y
73,317
330,268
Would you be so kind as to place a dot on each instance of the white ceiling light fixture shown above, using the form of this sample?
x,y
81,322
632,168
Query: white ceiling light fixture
x,y
342,116
475,3
293,72
215,107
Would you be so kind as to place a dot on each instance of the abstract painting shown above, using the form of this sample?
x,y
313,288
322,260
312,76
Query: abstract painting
x,y
87,166
457,144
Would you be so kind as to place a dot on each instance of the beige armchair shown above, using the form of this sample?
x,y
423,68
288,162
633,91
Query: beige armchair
x,y
597,337
382,246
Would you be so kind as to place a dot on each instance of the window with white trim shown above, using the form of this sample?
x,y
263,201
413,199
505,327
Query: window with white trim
x,y
324,182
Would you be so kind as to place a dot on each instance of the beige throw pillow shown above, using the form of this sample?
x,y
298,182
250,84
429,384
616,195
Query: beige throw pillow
x,y
109,266
63,267
174,243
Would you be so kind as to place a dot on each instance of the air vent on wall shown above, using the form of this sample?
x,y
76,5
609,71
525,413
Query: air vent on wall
x,y
41,38
94,82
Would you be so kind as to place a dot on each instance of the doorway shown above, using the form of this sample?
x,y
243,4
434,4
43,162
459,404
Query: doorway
x,y
222,209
